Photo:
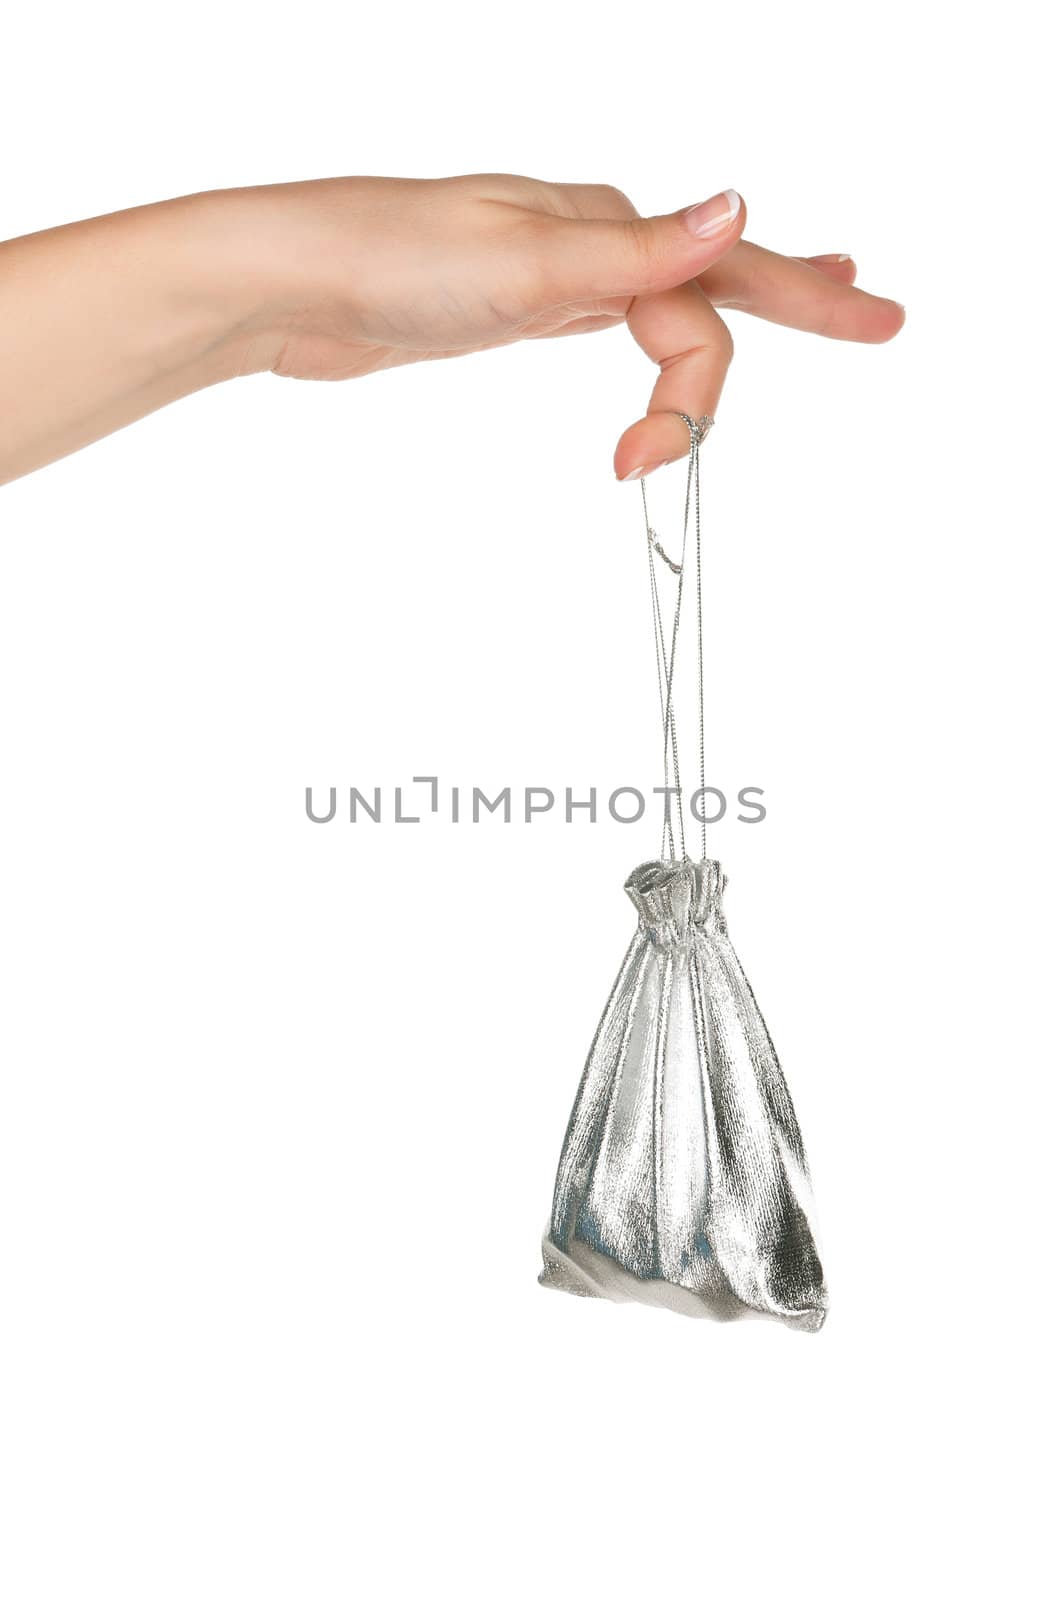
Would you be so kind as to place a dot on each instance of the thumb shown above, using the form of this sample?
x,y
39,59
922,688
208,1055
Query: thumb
x,y
596,260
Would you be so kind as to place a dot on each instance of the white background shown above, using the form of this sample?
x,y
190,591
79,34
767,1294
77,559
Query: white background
x,y
281,1104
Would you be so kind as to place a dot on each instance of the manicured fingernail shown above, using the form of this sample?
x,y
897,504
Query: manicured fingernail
x,y
640,472
712,216
837,259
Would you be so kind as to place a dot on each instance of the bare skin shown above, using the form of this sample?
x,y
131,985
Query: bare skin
x,y
106,320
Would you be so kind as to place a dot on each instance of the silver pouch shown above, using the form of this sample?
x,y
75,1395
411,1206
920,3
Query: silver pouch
x,y
682,1181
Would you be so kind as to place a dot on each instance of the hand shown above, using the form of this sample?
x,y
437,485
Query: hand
x,y
410,271
105,320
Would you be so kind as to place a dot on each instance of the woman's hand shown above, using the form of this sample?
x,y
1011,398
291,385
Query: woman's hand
x,y
103,321
411,271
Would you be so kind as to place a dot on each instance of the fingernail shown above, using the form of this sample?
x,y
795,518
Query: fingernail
x,y
838,259
712,216
640,472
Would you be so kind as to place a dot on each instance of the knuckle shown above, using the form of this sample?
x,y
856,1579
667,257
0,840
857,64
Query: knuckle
x,y
614,202
827,321
538,255
646,249
725,345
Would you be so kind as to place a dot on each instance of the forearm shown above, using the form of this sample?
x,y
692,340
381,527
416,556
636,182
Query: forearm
x,y
105,320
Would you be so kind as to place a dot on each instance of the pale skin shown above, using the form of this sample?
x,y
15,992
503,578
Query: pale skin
x,y
106,320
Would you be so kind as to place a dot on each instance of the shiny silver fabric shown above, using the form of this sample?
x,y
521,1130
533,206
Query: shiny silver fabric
x,y
682,1180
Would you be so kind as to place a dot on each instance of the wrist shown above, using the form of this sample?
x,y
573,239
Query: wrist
x,y
269,260
228,298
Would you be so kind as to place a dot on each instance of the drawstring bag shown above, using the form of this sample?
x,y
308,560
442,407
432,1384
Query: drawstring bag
x,y
682,1181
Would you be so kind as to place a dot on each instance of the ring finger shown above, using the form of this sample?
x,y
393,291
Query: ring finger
x,y
691,344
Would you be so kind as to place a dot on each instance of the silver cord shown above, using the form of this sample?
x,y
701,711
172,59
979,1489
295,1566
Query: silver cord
x,y
663,672
666,657
695,452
